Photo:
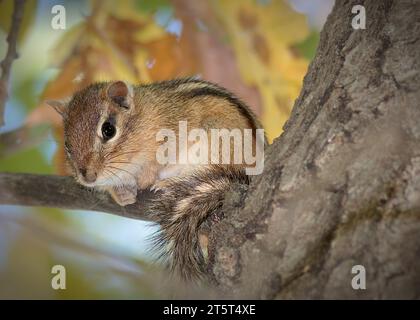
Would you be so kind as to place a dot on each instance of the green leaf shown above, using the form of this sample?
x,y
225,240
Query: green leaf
x,y
148,6
307,48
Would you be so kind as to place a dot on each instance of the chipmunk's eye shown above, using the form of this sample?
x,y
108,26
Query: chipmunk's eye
x,y
108,130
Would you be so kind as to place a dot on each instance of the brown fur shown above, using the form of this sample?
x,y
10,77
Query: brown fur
x,y
128,162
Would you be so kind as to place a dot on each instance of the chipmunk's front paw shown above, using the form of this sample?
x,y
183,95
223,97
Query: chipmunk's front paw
x,y
124,195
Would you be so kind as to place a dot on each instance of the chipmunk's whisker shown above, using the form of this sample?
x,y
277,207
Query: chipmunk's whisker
x,y
120,154
114,175
123,170
135,165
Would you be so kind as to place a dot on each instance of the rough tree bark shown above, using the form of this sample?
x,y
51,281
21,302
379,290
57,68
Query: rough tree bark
x,y
341,186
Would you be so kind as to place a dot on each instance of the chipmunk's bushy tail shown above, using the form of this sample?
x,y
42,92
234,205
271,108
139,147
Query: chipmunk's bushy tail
x,y
182,206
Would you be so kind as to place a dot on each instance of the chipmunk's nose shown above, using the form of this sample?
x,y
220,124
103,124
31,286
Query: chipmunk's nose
x,y
88,175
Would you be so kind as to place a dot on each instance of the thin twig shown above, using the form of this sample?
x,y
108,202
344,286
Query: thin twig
x,y
11,55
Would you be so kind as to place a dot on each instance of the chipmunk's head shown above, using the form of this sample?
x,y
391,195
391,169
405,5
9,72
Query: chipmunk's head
x,y
97,126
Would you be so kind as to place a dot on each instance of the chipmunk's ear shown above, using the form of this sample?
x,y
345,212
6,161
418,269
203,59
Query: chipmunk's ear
x,y
59,105
120,93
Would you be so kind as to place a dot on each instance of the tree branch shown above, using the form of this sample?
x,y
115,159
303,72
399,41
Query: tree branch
x,y
63,192
11,55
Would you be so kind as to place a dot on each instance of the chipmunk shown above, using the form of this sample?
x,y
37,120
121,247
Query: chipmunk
x,y
111,132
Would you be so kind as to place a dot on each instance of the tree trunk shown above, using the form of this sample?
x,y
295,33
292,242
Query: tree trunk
x,y
341,185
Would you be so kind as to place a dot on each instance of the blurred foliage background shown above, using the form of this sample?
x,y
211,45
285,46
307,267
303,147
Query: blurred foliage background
x,y
259,49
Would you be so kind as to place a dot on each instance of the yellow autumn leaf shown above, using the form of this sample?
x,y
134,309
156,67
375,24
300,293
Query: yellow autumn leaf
x,y
262,36
66,44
